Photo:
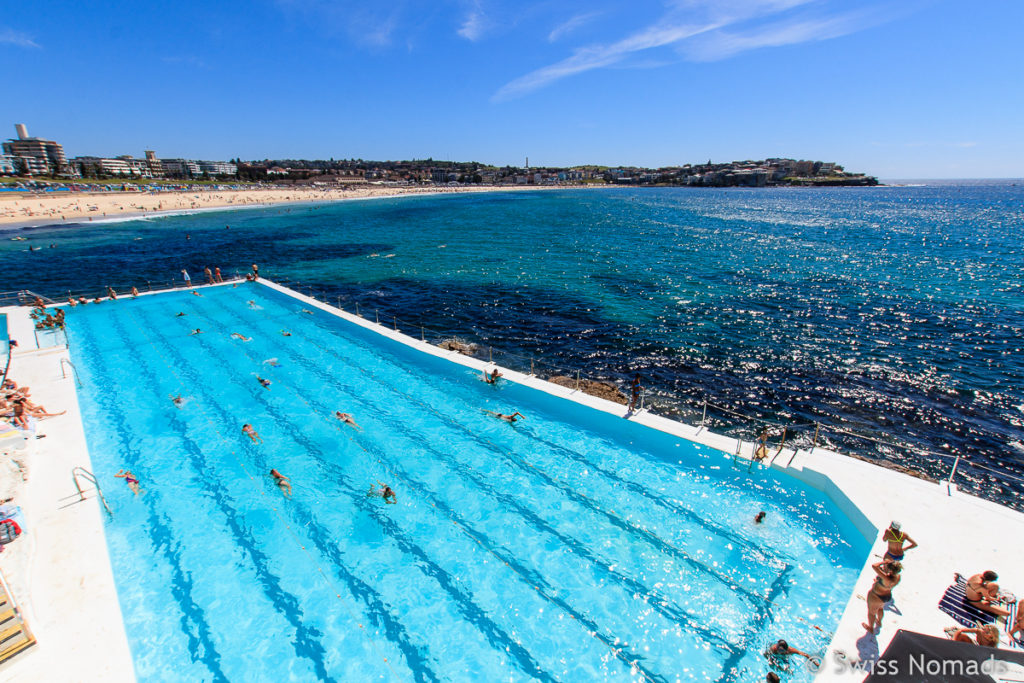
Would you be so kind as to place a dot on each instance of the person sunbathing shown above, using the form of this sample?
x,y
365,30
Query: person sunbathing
x,y
983,592
986,635
1018,624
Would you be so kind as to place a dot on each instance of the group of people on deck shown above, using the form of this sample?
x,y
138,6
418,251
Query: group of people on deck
x,y
16,403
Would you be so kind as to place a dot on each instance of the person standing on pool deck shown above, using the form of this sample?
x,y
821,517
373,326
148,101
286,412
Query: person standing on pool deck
x,y
899,542
184,275
761,452
881,592
209,275
216,274
282,483
635,400
255,272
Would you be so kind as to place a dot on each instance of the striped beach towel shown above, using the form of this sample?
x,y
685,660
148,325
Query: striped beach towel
x,y
954,603
1016,641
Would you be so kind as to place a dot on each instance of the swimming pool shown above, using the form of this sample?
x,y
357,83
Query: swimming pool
x,y
570,546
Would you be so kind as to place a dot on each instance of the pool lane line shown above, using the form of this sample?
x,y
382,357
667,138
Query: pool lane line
x,y
297,540
650,591
593,628
582,499
194,624
327,549
283,602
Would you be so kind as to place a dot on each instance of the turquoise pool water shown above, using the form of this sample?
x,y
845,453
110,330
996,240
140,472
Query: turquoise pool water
x,y
570,546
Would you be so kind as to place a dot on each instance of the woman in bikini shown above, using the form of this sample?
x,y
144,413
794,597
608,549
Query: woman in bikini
x,y
282,483
347,419
881,591
983,592
129,479
251,433
899,542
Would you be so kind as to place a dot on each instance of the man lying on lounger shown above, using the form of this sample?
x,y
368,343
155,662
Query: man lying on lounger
x,y
983,592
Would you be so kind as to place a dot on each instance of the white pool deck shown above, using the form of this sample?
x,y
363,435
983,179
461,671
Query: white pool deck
x,y
61,576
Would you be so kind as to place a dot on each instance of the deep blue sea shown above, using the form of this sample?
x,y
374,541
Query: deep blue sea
x,y
894,313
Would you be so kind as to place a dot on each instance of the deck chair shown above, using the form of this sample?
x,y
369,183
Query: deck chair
x,y
954,603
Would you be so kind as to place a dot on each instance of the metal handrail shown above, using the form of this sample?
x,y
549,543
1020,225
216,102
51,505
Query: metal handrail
x,y
74,370
89,476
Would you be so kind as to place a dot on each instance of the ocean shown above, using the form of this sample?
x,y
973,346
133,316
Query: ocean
x,y
889,321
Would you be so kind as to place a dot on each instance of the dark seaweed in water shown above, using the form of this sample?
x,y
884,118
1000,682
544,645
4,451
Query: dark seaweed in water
x,y
892,313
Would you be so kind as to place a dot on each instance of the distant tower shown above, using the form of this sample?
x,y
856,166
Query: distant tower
x,y
22,131
527,163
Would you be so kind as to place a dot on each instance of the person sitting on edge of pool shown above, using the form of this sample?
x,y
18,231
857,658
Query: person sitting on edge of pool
x,y
135,291
251,433
347,419
491,378
282,483
511,419
129,479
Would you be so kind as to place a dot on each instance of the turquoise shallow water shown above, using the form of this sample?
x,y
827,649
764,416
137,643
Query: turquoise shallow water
x,y
571,546
894,313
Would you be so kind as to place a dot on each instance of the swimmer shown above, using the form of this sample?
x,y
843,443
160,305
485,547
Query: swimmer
x,y
195,293
252,304
511,419
759,517
282,483
181,314
196,331
265,383
272,362
347,419
178,400
285,333
306,310
491,378
129,479
251,433
385,492
236,335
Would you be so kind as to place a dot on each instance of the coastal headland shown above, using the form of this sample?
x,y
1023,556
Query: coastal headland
x,y
26,209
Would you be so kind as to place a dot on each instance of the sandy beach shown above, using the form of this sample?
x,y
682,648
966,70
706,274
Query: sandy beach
x,y
76,207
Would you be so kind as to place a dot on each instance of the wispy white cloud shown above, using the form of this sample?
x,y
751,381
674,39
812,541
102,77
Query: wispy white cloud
x,y
8,36
701,30
721,44
572,24
475,23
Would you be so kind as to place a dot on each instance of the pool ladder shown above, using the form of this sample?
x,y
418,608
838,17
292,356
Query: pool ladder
x,y
89,476
74,370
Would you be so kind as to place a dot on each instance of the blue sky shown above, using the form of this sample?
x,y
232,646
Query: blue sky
x,y
901,89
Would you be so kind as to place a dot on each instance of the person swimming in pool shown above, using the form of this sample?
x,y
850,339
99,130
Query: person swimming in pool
x,y
129,479
272,362
238,335
180,314
511,419
195,332
285,333
265,383
491,378
385,492
178,400
347,419
282,483
248,430
759,517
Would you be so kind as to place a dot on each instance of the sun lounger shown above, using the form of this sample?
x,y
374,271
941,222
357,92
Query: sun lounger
x,y
1016,641
954,603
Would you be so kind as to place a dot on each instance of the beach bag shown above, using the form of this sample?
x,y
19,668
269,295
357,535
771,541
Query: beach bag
x,y
9,530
